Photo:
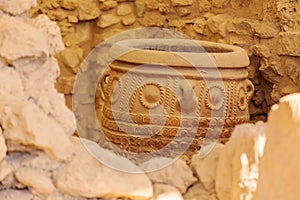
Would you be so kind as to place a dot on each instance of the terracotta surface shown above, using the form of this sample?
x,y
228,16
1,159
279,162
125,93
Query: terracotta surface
x,y
209,91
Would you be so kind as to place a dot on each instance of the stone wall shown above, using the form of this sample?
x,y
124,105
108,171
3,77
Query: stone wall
x,y
268,30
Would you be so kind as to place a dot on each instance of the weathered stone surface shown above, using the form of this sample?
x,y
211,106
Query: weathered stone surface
x,y
128,20
22,6
65,84
204,5
107,5
293,70
182,2
182,180
217,24
264,30
124,9
72,57
261,51
15,194
85,176
152,19
281,152
69,4
140,7
239,3
72,19
219,3
183,11
166,192
237,170
241,26
198,192
35,179
31,44
3,147
199,26
205,168
288,44
88,10
5,170
107,20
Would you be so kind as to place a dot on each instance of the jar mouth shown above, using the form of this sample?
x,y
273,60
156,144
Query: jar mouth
x,y
179,52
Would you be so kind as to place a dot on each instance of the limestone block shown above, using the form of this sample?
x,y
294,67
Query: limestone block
x,y
279,167
217,24
182,2
177,174
288,44
88,10
70,4
3,147
15,194
25,123
128,20
51,31
72,56
264,30
85,176
237,170
107,5
124,9
292,70
152,19
35,179
19,40
166,192
16,7
107,20
205,168
261,50
198,192
240,26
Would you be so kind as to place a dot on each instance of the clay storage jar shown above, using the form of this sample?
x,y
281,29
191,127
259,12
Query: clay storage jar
x,y
160,92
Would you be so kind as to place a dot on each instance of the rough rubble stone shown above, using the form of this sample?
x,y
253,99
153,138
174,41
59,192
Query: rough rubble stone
x,y
182,2
177,174
107,20
241,26
166,192
198,192
15,194
217,24
72,57
107,5
33,42
69,4
279,176
85,176
22,6
124,9
237,170
204,5
35,179
261,51
264,30
128,20
288,44
205,168
3,147
88,10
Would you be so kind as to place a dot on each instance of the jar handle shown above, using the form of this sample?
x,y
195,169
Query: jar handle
x,y
250,89
104,80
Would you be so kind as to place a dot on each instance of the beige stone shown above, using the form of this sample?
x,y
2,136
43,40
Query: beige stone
x,y
88,10
183,11
5,170
11,194
87,177
16,7
237,170
288,44
128,20
239,3
219,3
200,26
140,7
264,30
292,70
217,24
65,84
107,5
182,180
261,51
124,9
70,4
72,56
164,8
27,124
3,147
107,20
35,179
33,42
198,192
204,5
72,19
205,168
166,192
152,19
241,26
279,177
182,2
